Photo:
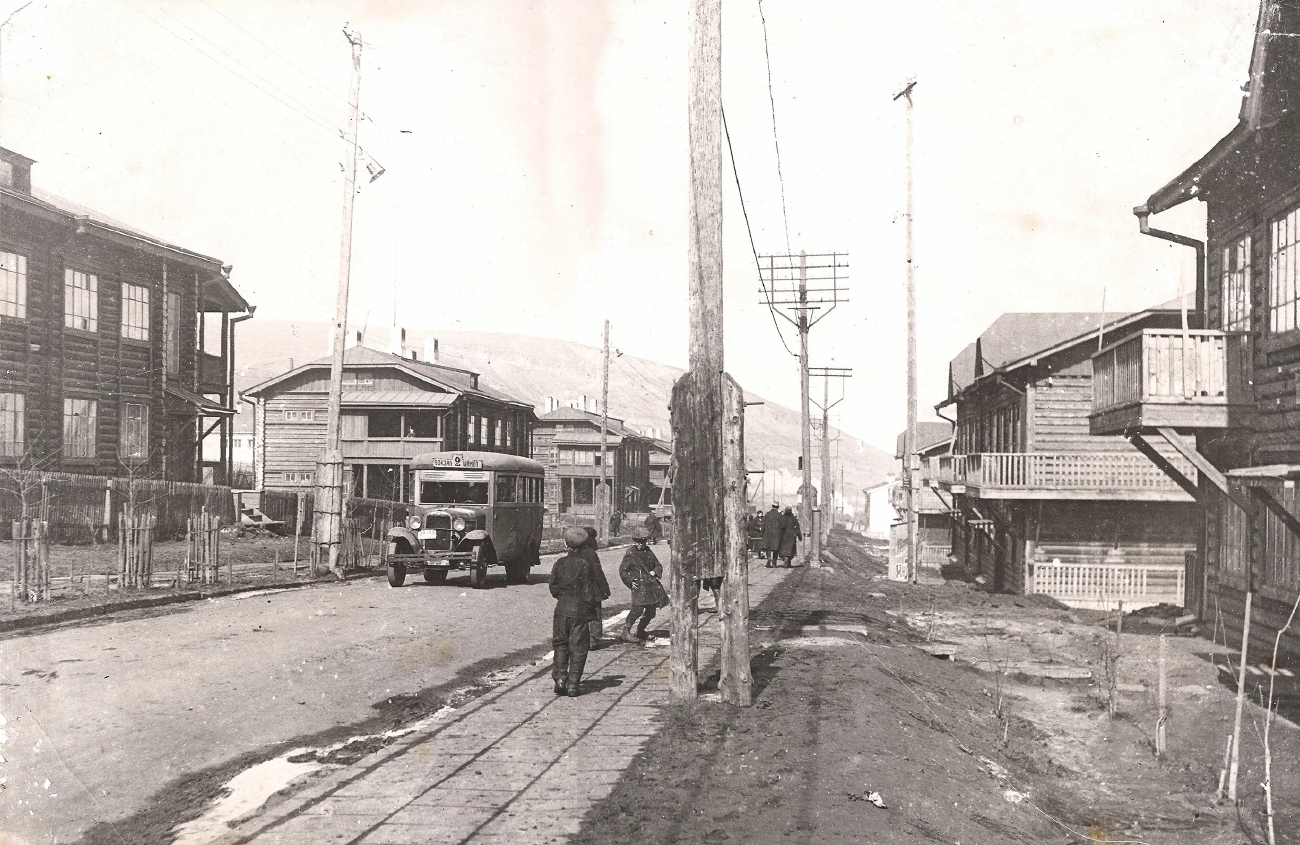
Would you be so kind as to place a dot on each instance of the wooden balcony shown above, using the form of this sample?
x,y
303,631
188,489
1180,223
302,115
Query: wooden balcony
x,y
1082,475
1162,378
1102,586
212,373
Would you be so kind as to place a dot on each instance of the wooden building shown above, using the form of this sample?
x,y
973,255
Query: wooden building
x,y
660,462
567,442
1233,381
394,407
1040,505
934,512
116,348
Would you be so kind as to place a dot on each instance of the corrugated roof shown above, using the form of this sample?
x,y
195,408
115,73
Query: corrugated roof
x,y
587,437
563,415
387,398
928,433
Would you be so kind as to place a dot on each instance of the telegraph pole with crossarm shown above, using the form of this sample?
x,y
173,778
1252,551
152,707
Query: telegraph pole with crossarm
x,y
785,287
821,531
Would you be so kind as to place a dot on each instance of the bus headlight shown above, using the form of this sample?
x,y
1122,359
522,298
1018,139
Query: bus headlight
x,y
413,523
459,525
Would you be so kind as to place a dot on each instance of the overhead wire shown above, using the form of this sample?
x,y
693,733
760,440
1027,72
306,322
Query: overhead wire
x,y
762,283
771,97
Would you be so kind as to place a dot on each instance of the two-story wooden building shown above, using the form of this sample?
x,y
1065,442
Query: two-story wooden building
x,y
1040,505
1233,382
394,407
567,442
934,510
116,348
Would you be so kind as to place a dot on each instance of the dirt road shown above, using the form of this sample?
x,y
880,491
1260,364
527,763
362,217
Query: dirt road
x,y
113,730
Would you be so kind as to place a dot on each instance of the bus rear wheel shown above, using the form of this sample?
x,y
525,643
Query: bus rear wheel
x,y
517,572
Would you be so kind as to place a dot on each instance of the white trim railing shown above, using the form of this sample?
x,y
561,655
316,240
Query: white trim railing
x,y
1101,586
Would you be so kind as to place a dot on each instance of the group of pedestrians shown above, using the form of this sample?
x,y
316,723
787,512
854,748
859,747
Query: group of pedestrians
x,y
780,532
579,586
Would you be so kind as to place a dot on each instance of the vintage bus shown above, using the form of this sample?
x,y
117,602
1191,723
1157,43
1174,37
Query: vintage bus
x,y
471,511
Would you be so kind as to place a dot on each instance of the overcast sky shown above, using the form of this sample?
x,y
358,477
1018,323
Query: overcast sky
x,y
536,159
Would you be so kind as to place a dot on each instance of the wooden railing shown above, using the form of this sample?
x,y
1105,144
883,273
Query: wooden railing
x,y
946,469
1070,471
1101,586
1166,365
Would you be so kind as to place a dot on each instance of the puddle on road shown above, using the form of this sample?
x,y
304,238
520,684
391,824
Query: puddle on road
x,y
249,790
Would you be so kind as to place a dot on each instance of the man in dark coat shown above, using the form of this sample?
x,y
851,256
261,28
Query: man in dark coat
x,y
790,535
641,572
772,534
588,553
577,591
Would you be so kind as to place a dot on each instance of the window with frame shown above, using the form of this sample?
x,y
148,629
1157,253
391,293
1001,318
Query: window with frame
x,y
135,312
1283,269
507,489
80,420
13,285
12,424
135,430
359,381
173,332
471,433
80,300
1234,287
305,415
483,429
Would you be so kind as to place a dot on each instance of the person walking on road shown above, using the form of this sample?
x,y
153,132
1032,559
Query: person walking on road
x,y
588,553
790,536
772,534
576,586
641,572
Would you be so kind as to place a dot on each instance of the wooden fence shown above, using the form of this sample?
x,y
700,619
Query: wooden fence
x,y
31,573
135,533
203,549
85,508
1101,586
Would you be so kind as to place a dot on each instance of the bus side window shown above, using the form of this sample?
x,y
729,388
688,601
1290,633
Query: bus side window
x,y
506,489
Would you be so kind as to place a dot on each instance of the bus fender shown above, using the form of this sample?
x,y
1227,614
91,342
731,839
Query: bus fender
x,y
476,536
401,532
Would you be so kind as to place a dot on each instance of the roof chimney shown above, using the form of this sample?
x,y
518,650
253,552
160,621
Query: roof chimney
x,y
15,171
431,349
397,340
351,339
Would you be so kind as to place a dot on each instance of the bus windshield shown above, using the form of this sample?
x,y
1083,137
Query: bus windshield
x,y
453,493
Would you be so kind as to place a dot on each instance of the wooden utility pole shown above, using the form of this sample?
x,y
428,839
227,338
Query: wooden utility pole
x,y
706,501
329,471
822,532
785,288
603,498
909,441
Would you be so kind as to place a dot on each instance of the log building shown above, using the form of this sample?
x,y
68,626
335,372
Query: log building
x,y
567,443
116,348
1230,387
1039,504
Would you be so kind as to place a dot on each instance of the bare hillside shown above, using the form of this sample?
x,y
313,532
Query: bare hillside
x,y
533,369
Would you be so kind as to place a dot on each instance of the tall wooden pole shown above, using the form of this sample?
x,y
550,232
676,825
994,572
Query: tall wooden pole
x,y
805,410
826,502
735,683
329,472
603,499
909,442
697,395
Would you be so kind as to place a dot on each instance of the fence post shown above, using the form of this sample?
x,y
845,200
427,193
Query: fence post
x,y
13,590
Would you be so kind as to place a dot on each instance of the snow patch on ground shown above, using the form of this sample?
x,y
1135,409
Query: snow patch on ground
x,y
245,792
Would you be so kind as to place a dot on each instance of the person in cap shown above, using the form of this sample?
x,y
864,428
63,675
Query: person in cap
x,y
588,553
577,595
641,572
772,534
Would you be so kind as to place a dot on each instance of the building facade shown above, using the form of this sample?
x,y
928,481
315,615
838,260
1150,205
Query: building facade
x,y
1039,504
934,512
394,407
567,442
1231,385
116,348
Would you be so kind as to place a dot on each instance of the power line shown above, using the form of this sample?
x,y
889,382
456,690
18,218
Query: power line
x,y
744,211
767,53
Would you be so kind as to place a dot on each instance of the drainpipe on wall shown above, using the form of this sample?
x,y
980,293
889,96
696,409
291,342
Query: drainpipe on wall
x,y
1143,213
230,386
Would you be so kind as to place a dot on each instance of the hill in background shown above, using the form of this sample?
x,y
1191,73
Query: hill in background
x,y
532,369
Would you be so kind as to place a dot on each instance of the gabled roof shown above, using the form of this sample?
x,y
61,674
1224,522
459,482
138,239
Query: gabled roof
x,y
569,415
1274,76
448,379
1020,339
929,433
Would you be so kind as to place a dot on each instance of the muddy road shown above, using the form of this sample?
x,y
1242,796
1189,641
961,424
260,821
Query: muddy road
x,y
102,721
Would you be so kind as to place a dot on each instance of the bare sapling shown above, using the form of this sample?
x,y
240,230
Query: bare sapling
x,y
1234,763
1269,713
1163,698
